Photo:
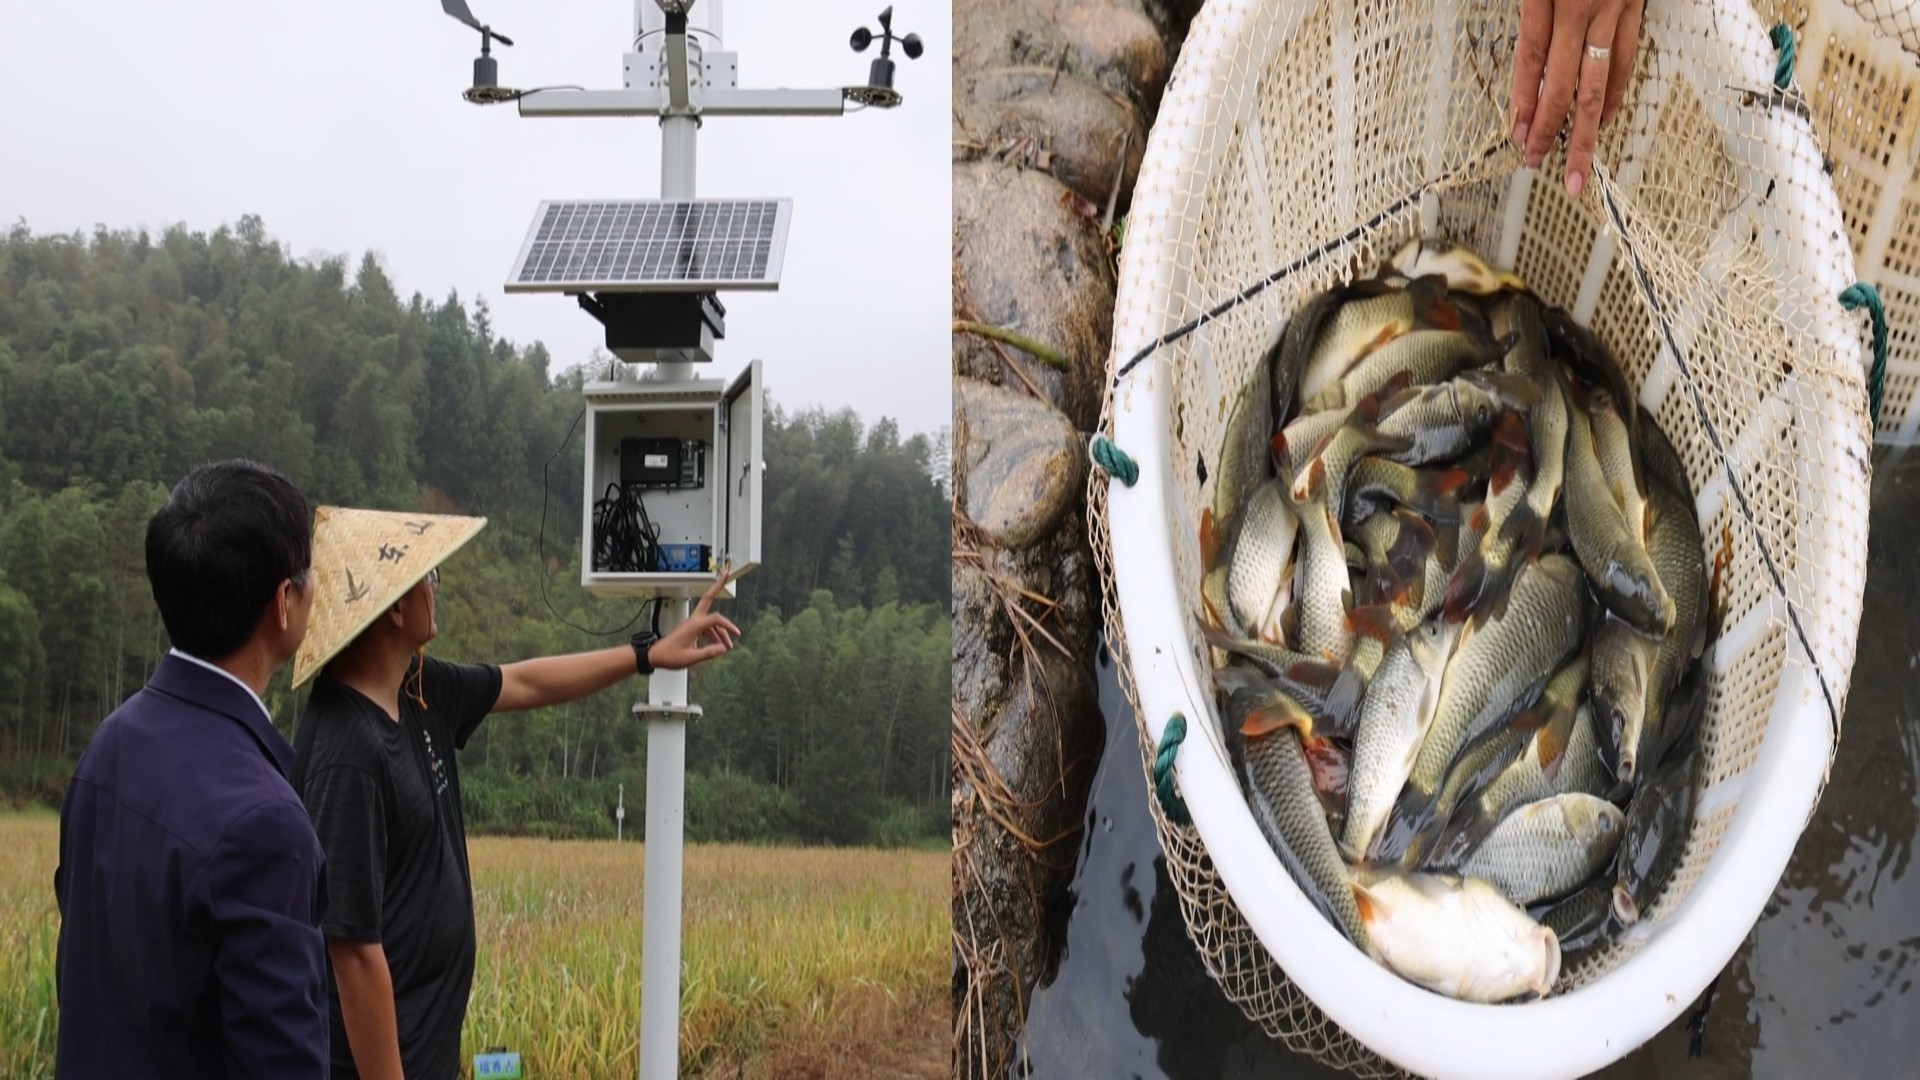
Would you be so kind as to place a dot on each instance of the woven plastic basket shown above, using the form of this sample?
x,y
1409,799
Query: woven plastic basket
x,y
1298,141
1859,63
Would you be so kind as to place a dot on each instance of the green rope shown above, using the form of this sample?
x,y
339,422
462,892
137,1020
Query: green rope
x,y
1856,296
1114,460
1783,40
1170,739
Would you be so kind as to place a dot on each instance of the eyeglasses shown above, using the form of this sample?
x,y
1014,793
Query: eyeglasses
x,y
433,578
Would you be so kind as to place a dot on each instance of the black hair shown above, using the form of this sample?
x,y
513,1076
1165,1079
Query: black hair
x,y
217,552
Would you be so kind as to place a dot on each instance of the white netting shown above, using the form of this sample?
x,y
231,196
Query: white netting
x,y
1859,64
1299,141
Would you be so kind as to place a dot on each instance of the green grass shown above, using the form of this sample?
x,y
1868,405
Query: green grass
x,y
789,955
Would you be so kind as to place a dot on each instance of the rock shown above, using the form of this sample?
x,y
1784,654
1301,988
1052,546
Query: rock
x,y
1033,716
1058,85
1024,462
1120,48
1025,261
1052,102
1069,128
1115,45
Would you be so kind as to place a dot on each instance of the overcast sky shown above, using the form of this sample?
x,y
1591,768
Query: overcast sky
x,y
340,123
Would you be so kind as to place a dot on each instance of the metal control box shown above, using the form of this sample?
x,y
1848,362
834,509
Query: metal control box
x,y
685,509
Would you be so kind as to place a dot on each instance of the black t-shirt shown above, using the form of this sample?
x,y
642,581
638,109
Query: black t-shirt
x,y
385,801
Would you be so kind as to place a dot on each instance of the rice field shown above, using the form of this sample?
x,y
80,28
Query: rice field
x,y
795,961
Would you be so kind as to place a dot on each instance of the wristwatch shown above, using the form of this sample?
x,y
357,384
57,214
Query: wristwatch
x,y
643,641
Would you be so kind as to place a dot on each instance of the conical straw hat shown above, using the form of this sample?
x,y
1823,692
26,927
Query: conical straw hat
x,y
363,561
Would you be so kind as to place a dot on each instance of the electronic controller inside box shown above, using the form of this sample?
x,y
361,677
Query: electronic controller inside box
x,y
673,483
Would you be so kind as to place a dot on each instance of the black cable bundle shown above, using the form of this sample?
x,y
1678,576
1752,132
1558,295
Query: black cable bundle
x,y
625,540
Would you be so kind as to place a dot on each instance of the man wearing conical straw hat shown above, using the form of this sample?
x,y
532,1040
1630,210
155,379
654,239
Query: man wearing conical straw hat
x,y
379,778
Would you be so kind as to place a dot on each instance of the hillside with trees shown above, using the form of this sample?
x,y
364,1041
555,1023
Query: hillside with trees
x,y
128,358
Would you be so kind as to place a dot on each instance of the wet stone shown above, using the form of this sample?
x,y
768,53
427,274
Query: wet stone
x,y
1025,261
1086,137
1024,462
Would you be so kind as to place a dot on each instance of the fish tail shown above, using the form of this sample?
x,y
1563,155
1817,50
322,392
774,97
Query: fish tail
x,y
1215,611
1218,636
1495,589
1514,391
1410,815
1533,534
1427,849
1512,456
1447,546
1368,410
1463,837
1492,348
1372,620
1375,441
1384,583
1464,588
1408,555
1343,701
1432,308
1436,492
1280,713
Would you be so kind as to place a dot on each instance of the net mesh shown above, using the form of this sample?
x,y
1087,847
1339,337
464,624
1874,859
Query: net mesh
x,y
1300,141
1859,63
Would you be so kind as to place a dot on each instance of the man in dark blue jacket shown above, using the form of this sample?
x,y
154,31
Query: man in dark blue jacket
x,y
190,881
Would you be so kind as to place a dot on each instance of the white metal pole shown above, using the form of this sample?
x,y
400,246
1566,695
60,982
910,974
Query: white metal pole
x,y
678,157
666,830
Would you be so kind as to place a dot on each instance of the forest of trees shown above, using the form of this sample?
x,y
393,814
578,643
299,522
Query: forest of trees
x,y
126,359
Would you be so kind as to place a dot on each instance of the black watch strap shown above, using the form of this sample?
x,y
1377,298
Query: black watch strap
x,y
643,641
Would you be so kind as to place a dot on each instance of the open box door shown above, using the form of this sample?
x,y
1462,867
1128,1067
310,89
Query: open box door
x,y
743,410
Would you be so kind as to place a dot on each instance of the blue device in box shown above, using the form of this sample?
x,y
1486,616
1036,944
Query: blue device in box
x,y
685,558
496,1064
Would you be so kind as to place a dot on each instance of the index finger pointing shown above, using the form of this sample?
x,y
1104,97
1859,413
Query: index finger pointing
x,y
713,590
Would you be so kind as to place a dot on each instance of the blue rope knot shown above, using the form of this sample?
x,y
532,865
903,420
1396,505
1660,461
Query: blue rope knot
x,y
1859,295
1170,801
1113,460
1783,70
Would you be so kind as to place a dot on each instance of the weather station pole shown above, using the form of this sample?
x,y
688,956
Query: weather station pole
x,y
663,313
666,713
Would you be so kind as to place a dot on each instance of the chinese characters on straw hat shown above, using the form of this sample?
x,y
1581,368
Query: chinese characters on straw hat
x,y
364,561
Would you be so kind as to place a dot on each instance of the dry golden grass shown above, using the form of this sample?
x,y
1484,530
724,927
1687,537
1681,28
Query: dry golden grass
x,y
782,947
796,962
29,926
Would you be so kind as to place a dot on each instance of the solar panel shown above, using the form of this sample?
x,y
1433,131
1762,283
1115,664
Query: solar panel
x,y
653,245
